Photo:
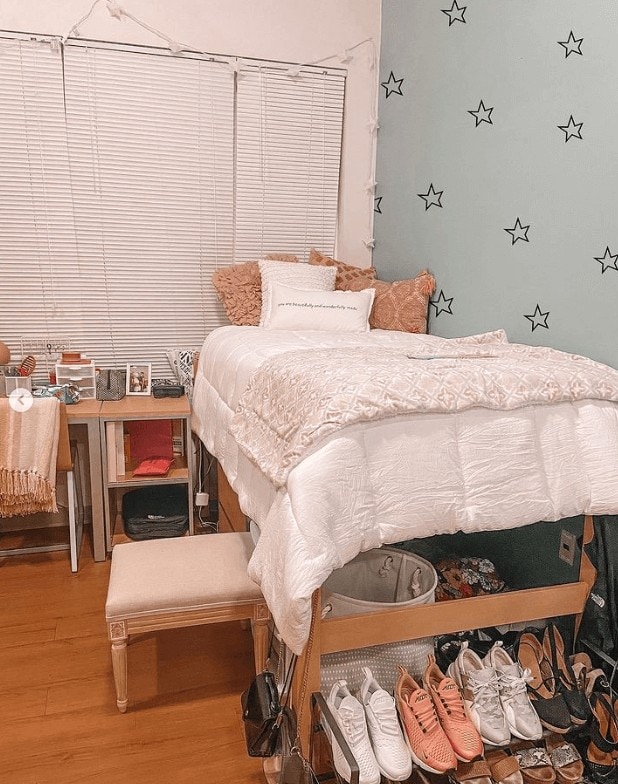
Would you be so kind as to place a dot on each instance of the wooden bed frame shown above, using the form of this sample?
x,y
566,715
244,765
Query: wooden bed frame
x,y
361,631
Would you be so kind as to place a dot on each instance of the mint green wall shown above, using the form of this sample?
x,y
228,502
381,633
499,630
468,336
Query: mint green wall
x,y
518,157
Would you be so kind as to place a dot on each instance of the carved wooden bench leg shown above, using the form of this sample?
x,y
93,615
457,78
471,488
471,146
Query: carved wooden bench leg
x,y
118,636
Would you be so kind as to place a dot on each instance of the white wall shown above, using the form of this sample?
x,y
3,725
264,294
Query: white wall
x,y
287,30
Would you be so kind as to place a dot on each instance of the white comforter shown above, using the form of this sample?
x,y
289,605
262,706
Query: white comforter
x,y
401,477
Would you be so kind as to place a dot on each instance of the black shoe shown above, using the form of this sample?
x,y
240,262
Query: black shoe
x,y
564,678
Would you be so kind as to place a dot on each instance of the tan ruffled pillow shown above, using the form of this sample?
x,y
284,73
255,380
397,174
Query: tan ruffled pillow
x,y
402,305
346,273
239,287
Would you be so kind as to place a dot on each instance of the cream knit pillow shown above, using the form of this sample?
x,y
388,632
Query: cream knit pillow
x,y
300,276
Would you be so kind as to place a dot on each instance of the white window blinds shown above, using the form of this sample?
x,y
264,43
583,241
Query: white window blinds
x,y
151,153
38,250
287,164
115,214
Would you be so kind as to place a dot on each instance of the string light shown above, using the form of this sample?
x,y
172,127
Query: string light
x,y
345,57
115,10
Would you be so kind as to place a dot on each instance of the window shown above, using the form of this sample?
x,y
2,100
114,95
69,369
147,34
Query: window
x,y
128,175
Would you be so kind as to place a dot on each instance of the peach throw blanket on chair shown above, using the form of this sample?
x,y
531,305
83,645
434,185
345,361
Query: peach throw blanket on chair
x,y
28,450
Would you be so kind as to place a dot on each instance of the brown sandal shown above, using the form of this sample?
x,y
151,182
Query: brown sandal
x,y
476,772
504,767
565,760
535,764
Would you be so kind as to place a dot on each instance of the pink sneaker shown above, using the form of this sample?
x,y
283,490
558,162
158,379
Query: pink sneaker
x,y
448,701
428,744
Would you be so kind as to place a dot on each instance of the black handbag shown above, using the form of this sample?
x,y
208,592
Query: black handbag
x,y
262,715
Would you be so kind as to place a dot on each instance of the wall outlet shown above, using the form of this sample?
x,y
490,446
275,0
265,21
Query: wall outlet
x,y
201,499
566,549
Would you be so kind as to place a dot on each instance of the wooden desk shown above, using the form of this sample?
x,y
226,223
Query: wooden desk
x,y
86,412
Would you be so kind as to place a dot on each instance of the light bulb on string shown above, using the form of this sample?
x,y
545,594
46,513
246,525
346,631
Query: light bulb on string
x,y
115,10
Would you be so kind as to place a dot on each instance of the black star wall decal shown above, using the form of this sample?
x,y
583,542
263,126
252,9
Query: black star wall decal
x,y
376,204
607,261
442,304
482,114
571,129
572,45
431,197
518,232
538,319
392,85
455,13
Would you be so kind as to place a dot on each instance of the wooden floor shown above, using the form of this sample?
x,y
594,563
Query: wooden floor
x,y
58,716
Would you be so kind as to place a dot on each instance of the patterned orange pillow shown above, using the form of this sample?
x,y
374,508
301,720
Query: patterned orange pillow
x,y
402,305
346,273
239,287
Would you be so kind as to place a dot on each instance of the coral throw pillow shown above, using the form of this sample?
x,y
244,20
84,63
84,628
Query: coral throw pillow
x,y
239,287
346,273
400,306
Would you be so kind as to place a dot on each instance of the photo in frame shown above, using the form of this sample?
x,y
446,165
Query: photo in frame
x,y
139,378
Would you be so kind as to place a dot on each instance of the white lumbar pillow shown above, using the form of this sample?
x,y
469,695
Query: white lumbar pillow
x,y
299,274
332,311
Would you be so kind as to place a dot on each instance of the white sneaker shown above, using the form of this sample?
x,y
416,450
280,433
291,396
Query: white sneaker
x,y
390,749
480,687
350,716
522,719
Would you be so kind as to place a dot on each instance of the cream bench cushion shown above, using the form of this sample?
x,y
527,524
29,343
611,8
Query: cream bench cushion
x,y
167,575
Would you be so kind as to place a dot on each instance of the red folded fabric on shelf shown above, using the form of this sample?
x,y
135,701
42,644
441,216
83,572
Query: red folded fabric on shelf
x,y
153,466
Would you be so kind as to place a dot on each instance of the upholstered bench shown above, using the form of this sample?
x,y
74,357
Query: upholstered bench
x,y
186,581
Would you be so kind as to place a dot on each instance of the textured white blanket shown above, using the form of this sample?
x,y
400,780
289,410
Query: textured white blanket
x,y
296,400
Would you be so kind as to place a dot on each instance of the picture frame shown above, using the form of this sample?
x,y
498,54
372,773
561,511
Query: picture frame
x,y
139,378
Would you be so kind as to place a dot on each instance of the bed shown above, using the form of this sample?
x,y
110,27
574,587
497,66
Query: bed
x,y
469,455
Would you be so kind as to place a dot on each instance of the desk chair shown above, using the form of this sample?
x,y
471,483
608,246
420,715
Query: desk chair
x,y
64,464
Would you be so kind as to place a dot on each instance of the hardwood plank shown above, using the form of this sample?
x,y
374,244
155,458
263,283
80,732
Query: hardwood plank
x,y
28,633
26,703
